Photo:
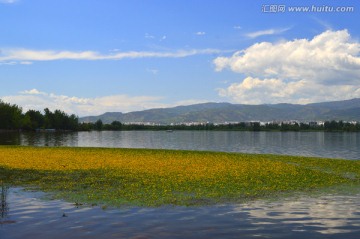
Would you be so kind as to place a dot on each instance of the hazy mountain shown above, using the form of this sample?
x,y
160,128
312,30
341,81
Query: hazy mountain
x,y
226,112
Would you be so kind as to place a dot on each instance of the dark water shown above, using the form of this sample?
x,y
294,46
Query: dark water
x,y
326,216
321,144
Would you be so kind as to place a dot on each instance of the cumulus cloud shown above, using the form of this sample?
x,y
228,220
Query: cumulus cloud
x,y
326,67
257,91
26,56
38,100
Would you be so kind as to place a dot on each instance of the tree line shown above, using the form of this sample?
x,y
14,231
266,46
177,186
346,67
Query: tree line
x,y
242,126
13,118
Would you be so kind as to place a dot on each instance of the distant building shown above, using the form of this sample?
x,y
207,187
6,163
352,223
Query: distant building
x,y
313,123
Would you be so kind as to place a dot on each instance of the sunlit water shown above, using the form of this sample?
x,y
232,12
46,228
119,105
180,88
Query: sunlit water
x,y
327,216
321,144
26,215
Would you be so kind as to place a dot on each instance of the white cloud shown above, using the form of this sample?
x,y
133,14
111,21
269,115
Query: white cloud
x,y
257,91
190,102
152,70
152,37
266,32
35,99
148,36
12,63
26,55
323,23
25,62
326,67
8,1
39,100
200,33
9,63
237,27
32,92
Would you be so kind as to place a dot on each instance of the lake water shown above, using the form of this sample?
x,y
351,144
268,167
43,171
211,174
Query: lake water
x,y
321,144
26,215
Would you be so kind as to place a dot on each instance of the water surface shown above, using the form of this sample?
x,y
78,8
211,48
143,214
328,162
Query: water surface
x,y
323,216
321,144
26,215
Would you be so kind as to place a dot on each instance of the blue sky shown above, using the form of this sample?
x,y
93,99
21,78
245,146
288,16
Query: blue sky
x,y
88,57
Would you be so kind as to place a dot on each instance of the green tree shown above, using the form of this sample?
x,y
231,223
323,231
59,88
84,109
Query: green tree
x,y
98,124
60,120
116,125
48,119
10,116
255,126
33,119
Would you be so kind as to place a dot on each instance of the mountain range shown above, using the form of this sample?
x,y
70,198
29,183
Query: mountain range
x,y
347,110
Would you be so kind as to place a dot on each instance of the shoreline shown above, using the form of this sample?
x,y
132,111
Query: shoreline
x,y
174,130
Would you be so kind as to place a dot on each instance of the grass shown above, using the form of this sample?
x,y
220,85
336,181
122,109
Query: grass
x,y
145,177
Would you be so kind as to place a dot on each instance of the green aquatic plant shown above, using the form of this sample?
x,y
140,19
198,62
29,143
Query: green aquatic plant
x,y
149,177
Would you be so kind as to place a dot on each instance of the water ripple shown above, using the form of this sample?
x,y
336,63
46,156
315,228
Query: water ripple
x,y
326,216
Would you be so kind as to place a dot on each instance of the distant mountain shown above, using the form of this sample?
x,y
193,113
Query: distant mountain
x,y
225,112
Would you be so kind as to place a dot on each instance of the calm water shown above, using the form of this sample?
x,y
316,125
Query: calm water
x,y
322,144
322,216
26,215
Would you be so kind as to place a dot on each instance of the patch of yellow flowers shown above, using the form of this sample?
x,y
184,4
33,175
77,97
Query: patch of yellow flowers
x,y
157,177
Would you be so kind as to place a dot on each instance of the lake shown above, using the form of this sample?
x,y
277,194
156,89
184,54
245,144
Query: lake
x,y
326,215
320,144
27,215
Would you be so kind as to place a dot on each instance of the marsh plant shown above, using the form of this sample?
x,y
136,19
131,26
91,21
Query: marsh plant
x,y
147,177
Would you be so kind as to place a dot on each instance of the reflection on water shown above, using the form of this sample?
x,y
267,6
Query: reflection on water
x,y
10,138
327,216
49,139
321,144
39,139
3,200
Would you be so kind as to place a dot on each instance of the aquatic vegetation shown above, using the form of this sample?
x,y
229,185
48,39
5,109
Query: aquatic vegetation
x,y
158,177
